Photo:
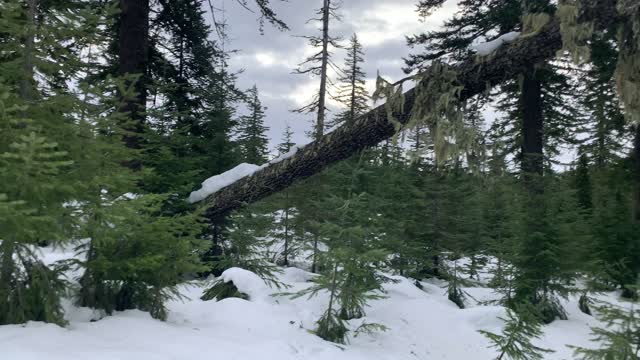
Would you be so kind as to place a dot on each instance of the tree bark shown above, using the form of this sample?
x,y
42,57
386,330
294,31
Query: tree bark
x,y
27,80
133,55
532,130
326,13
636,173
368,130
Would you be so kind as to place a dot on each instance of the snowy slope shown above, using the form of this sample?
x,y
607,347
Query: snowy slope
x,y
422,324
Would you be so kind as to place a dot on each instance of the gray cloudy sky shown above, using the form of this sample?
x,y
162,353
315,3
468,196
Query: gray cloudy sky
x,y
268,60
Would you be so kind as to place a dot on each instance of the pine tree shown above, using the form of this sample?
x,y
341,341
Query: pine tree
x,y
30,209
620,339
500,209
583,183
352,92
604,122
515,341
251,130
540,116
284,228
188,136
615,243
353,256
37,151
318,64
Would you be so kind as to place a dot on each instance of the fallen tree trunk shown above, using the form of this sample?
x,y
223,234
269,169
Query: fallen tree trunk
x,y
475,76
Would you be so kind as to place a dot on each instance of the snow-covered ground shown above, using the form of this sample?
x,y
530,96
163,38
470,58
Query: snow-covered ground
x,y
422,324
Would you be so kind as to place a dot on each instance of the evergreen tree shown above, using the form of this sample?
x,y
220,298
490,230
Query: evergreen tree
x,y
287,141
616,244
500,210
318,64
284,229
353,256
515,341
620,339
38,150
352,92
30,210
539,116
251,131
583,183
604,123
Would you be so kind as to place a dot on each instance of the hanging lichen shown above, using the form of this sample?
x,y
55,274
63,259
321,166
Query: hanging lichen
x,y
394,97
575,40
575,34
628,67
532,23
436,107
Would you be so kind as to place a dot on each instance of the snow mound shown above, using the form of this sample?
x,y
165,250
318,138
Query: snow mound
x,y
217,182
487,48
247,282
422,324
293,274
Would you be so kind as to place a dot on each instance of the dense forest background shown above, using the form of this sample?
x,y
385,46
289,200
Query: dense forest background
x,y
112,113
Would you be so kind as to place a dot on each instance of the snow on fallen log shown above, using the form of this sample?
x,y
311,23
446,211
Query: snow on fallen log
x,y
287,155
217,182
487,48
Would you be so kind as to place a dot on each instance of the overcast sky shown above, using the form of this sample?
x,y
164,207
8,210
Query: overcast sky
x,y
269,59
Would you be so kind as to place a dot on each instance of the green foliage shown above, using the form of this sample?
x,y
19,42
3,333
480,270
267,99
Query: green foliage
x,y
352,92
246,245
515,340
619,339
354,255
615,240
31,212
455,283
137,256
331,327
252,139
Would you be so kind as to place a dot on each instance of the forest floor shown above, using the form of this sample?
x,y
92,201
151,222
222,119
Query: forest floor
x,y
422,324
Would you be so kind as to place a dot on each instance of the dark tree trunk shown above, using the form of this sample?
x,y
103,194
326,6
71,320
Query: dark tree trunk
x,y
636,173
372,128
326,13
133,54
27,81
532,126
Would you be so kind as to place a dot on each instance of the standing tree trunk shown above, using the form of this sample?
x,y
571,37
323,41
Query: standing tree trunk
x,y
286,228
133,55
323,70
354,79
133,58
636,173
26,82
532,130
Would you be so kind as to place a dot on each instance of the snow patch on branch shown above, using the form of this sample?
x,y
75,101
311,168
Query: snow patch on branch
x,y
217,182
489,47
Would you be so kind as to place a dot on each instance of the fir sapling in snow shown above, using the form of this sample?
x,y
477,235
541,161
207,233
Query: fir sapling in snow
x,y
515,341
351,262
618,338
